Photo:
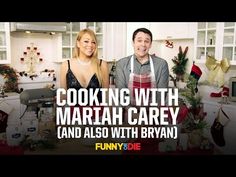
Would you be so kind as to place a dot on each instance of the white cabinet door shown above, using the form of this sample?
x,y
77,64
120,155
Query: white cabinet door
x,y
206,41
172,30
69,37
114,41
228,48
215,39
5,55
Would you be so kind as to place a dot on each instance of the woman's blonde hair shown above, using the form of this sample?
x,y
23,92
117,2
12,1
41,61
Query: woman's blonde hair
x,y
95,61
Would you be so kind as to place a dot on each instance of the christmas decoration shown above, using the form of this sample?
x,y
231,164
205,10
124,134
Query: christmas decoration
x,y
217,70
31,58
51,73
195,116
180,62
9,74
196,73
192,117
224,92
169,44
217,128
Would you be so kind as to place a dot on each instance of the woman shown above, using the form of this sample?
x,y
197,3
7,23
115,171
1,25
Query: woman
x,y
85,70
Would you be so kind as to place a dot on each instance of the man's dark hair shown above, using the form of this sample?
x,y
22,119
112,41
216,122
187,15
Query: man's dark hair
x,y
144,30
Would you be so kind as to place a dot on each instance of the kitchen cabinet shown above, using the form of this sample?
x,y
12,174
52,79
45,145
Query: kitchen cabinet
x,y
206,40
98,28
114,41
172,30
69,37
111,39
5,55
215,39
161,31
228,47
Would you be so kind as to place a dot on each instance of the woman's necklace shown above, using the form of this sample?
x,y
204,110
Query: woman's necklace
x,y
84,63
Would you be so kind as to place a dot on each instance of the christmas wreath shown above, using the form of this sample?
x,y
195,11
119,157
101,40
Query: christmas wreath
x,y
8,73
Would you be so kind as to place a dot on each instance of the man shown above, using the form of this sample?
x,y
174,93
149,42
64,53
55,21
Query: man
x,y
141,70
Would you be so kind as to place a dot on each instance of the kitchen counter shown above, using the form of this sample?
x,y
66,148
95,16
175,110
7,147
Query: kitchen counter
x,y
10,96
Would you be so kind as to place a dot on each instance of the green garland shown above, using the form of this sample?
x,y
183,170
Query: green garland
x,y
11,84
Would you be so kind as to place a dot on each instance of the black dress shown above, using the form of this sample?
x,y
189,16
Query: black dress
x,y
72,82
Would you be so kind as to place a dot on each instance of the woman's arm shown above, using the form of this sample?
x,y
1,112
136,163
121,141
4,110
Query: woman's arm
x,y
63,70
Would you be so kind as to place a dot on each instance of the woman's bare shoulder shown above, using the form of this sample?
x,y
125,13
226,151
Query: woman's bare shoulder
x,y
71,61
64,64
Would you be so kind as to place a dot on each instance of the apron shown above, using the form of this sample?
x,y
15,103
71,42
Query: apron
x,y
146,81
138,81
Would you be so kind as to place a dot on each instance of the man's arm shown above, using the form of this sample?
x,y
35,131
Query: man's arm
x,y
120,80
164,79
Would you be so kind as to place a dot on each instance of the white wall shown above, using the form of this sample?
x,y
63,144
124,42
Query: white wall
x,y
50,51
114,41
160,50
130,28
48,46
45,43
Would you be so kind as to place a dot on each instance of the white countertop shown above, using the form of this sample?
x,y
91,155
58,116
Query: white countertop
x,y
39,79
11,96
